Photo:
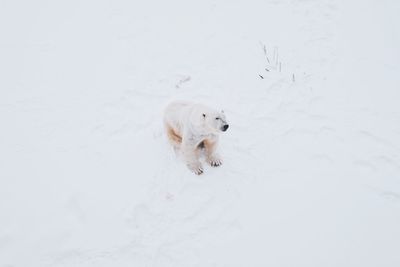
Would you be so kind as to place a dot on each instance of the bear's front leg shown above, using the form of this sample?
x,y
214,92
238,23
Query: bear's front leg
x,y
191,157
212,156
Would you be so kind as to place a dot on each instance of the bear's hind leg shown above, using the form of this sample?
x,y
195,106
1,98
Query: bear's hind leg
x,y
174,138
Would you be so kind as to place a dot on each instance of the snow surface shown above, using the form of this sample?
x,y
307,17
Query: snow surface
x,y
311,173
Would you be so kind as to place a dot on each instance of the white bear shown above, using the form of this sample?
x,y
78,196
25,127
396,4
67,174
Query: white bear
x,y
192,128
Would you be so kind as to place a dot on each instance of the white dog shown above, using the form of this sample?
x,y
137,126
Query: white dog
x,y
194,127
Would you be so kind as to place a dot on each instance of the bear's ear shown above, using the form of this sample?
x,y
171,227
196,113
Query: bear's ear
x,y
222,111
204,115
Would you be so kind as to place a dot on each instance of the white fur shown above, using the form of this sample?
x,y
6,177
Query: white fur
x,y
190,125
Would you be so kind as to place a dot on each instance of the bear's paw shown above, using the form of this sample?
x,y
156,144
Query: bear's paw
x,y
196,168
215,162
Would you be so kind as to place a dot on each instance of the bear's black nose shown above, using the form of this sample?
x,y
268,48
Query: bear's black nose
x,y
226,126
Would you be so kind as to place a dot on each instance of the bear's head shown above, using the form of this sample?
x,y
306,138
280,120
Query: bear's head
x,y
215,121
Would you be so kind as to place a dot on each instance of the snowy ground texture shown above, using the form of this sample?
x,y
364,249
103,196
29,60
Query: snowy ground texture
x,y
311,173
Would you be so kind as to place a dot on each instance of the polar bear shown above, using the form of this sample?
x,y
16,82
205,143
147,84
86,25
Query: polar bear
x,y
193,128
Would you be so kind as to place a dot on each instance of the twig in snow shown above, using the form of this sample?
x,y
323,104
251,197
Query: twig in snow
x,y
293,79
264,48
276,56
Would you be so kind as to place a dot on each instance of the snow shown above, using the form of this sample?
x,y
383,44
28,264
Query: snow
x,y
311,173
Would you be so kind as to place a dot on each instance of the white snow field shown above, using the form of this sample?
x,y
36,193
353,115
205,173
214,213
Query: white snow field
x,y
311,173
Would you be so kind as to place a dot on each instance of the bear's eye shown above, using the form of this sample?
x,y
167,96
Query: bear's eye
x,y
217,118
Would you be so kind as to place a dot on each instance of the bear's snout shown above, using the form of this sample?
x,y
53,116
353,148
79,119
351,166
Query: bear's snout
x,y
225,127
